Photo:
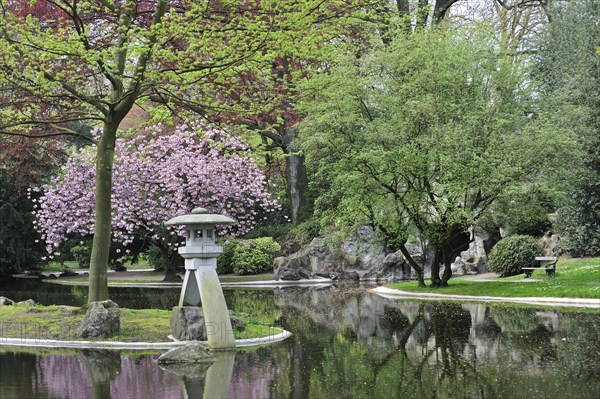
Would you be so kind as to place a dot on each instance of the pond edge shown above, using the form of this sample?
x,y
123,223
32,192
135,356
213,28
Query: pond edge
x,y
50,343
563,302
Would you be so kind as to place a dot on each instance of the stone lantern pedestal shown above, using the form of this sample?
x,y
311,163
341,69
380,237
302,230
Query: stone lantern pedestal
x,y
201,284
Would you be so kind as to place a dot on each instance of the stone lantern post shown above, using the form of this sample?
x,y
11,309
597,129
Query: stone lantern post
x,y
201,283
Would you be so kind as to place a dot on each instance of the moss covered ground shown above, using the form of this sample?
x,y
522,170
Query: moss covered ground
x,y
61,322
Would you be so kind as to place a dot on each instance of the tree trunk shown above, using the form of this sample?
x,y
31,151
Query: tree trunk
x,y
172,261
441,8
295,176
416,267
435,269
98,285
447,269
458,240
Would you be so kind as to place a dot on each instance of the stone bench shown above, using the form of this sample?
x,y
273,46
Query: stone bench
x,y
547,263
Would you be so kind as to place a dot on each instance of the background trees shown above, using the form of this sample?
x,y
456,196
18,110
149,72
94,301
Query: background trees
x,y
91,61
22,163
418,132
420,138
567,69
157,175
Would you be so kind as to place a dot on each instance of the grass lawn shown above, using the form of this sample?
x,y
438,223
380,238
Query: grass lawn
x,y
61,322
575,278
71,264
150,277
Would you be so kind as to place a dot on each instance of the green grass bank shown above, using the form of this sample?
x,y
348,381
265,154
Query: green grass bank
x,y
575,278
137,325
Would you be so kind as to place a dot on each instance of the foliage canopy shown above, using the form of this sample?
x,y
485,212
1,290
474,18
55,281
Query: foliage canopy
x,y
421,137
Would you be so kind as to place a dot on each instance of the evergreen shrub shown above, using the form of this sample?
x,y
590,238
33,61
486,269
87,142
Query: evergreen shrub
x,y
512,253
255,256
82,254
225,260
155,258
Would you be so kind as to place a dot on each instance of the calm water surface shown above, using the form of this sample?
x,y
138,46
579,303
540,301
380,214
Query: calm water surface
x,y
347,343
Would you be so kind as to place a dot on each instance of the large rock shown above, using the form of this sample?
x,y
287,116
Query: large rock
x,y
360,253
288,274
549,243
460,267
187,323
28,302
102,320
4,301
193,352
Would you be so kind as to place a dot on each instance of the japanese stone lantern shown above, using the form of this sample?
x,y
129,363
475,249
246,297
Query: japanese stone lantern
x,y
201,283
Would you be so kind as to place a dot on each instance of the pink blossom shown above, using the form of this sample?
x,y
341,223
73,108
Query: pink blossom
x,y
155,178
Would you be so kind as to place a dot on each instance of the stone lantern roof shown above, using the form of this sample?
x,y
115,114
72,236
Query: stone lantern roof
x,y
200,216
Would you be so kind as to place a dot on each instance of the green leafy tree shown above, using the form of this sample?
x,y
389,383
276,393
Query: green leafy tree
x,y
20,246
92,61
568,73
420,138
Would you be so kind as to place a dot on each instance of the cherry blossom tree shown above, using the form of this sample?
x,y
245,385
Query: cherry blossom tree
x,y
91,61
156,177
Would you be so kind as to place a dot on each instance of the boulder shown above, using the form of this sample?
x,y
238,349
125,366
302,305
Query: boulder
x,y
305,274
237,324
6,302
395,267
549,243
349,275
458,267
27,302
102,320
193,352
187,323
473,268
361,253
288,274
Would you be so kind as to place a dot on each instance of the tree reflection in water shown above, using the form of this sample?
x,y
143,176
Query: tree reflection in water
x,y
352,344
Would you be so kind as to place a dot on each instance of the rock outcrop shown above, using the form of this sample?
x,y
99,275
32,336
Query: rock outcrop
x,y
187,323
102,320
4,301
193,352
361,257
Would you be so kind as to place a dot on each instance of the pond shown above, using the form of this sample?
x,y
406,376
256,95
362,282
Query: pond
x,y
347,343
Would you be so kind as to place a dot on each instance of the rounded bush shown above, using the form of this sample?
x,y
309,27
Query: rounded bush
x,y
255,256
512,253
225,260
81,254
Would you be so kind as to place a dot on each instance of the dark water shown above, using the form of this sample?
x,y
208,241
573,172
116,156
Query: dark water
x,y
347,343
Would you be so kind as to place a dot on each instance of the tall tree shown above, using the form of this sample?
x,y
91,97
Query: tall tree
x,y
420,138
91,61
23,163
568,74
